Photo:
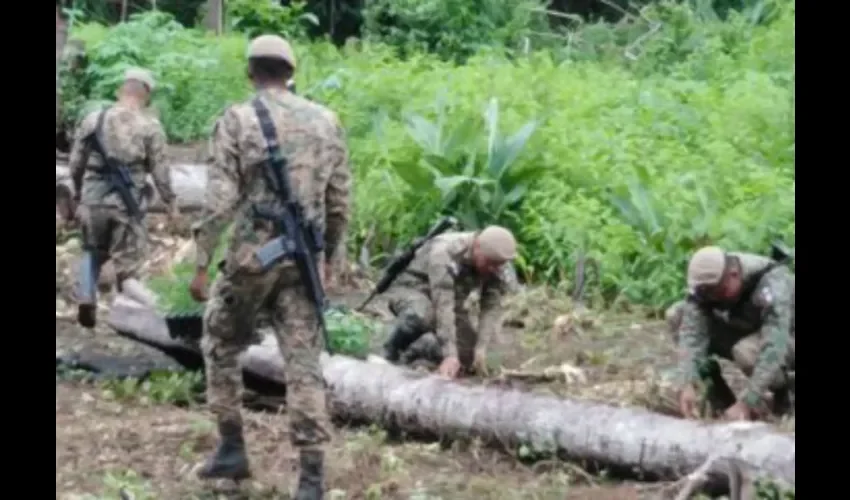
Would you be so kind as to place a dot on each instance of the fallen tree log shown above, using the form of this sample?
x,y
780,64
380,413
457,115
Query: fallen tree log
x,y
188,180
629,438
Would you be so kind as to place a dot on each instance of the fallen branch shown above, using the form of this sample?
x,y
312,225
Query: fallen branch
x,y
188,180
627,438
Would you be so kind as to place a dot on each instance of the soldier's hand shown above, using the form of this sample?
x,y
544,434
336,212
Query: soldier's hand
x,y
479,365
688,402
198,286
738,411
449,367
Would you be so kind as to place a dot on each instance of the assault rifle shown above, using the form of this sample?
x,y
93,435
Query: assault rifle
x,y
299,238
398,264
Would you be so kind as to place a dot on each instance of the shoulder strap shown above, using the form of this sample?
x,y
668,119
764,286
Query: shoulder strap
x,y
278,181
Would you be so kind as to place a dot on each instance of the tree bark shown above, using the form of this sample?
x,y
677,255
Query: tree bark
x,y
631,438
188,181
214,18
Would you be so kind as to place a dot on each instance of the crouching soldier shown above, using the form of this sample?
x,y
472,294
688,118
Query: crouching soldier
x,y
740,307
430,296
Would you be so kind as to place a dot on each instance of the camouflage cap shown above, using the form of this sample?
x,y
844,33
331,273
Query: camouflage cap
x,y
142,76
497,243
272,46
706,267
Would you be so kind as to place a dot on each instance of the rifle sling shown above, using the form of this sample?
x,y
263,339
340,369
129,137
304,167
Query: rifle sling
x,y
109,167
277,163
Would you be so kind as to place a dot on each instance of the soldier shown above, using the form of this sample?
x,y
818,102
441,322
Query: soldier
x,y
740,307
137,141
313,142
429,296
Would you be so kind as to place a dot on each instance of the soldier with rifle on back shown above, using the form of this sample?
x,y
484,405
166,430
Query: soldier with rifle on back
x,y
740,307
280,169
428,296
113,150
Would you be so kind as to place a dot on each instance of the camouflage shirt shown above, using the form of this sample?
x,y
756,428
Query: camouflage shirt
x,y
313,142
442,270
135,139
769,308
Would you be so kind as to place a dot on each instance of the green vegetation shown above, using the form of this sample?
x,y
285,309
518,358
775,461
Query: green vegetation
x,y
633,144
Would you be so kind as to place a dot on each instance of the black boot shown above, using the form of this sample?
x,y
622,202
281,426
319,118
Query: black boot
x,y
401,337
311,479
230,460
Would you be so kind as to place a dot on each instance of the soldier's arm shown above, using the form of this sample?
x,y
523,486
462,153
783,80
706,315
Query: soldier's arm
x,y
156,163
442,285
693,342
223,188
490,317
775,294
80,151
337,195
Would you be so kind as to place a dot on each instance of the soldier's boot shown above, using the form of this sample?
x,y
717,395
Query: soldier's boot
x,y
425,354
719,395
311,479
86,292
401,337
230,460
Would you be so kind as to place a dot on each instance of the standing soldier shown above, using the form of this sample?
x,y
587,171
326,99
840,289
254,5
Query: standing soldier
x,y
135,141
740,307
430,296
312,141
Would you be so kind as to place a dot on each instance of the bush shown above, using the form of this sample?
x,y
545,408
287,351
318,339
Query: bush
x,y
634,164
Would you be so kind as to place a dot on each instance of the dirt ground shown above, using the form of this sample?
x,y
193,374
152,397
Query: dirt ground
x,y
112,443
108,442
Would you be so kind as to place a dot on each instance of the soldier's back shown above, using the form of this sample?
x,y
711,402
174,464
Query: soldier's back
x,y
126,135
310,139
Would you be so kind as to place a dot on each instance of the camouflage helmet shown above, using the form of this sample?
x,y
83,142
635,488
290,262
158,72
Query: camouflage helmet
x,y
273,47
706,267
142,76
497,243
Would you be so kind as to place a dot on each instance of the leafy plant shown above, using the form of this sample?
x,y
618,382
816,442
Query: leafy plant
x,y
259,17
478,189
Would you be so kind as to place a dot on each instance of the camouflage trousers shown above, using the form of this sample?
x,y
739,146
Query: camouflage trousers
x,y
229,320
415,321
733,343
111,234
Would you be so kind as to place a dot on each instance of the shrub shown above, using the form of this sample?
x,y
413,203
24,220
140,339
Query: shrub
x,y
634,164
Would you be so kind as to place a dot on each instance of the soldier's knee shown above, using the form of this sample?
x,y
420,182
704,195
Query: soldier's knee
x,y
745,353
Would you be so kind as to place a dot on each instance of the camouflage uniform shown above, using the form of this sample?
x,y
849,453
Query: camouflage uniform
x,y
135,140
314,144
429,302
756,333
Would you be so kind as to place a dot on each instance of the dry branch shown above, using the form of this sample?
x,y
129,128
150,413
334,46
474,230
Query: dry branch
x,y
187,179
621,437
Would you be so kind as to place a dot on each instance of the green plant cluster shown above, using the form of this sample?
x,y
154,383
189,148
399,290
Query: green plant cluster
x,y
632,145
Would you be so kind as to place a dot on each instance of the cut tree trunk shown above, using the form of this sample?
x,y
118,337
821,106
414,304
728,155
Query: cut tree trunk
x,y
188,181
630,438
